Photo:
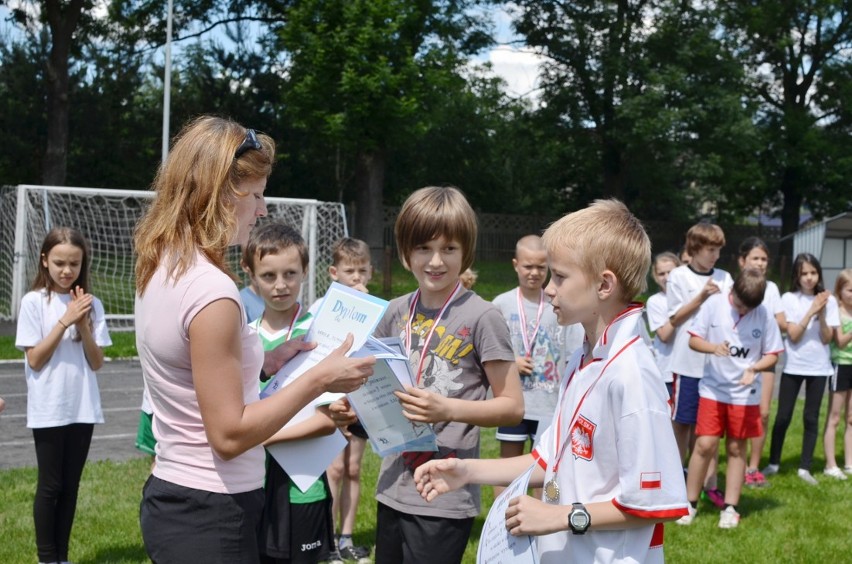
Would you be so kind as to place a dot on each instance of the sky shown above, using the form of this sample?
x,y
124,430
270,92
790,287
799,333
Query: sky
x,y
516,64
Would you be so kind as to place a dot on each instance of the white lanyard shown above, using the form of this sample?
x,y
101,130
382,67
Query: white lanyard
x,y
529,340
428,338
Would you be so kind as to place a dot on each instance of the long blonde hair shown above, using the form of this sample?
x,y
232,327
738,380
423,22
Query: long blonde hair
x,y
196,187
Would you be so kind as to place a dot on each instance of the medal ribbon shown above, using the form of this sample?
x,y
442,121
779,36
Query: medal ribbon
x,y
293,321
529,340
428,338
564,442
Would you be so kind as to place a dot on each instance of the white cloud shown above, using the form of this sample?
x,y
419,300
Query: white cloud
x,y
519,67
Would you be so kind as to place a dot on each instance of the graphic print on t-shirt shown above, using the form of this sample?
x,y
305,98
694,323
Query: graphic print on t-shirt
x,y
441,373
582,439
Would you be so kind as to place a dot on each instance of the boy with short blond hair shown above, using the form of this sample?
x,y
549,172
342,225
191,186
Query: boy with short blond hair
x,y
608,462
350,266
458,347
741,339
542,347
689,286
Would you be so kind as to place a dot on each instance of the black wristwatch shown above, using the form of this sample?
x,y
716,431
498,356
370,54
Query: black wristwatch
x,y
579,519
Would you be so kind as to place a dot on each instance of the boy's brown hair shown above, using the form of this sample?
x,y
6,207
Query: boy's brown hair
x,y
702,235
350,250
605,236
750,287
433,212
271,239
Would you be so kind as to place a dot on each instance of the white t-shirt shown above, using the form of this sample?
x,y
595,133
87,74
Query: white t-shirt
x,y
683,285
808,357
65,390
750,337
163,316
656,309
622,448
551,347
772,299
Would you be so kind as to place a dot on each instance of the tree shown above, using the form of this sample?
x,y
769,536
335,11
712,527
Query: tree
x,y
646,98
798,53
360,76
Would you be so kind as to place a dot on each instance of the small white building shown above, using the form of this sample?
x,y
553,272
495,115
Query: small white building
x,y
830,241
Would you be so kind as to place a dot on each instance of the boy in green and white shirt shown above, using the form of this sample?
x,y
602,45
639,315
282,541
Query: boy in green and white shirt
x,y
296,526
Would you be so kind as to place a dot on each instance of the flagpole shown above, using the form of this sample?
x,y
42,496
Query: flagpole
x,y
167,84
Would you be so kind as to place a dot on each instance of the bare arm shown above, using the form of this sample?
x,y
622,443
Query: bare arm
x,y
703,346
665,332
317,425
842,339
233,427
77,312
505,408
440,476
685,312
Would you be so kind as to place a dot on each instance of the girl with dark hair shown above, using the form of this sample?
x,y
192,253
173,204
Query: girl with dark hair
x,y
812,316
62,331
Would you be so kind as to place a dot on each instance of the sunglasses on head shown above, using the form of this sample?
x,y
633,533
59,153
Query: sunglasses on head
x,y
250,142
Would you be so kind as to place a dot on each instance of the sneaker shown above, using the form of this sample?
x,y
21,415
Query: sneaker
x,y
771,469
689,517
807,477
835,473
334,557
358,554
729,518
847,469
715,496
755,479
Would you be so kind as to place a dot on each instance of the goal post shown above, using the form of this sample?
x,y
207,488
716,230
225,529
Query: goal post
x,y
107,218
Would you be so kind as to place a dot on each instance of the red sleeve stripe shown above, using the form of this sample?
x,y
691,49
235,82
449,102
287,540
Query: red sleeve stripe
x,y
537,457
657,537
776,353
657,514
693,334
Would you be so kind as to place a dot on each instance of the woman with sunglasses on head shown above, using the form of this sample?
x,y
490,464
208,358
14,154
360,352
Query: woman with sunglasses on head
x,y
200,359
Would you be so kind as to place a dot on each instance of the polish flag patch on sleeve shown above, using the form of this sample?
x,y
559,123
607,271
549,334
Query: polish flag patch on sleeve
x,y
650,481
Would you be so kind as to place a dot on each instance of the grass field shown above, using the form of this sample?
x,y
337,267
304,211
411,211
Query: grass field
x,y
787,522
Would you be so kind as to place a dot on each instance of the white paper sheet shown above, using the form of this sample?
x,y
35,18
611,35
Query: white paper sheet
x,y
496,545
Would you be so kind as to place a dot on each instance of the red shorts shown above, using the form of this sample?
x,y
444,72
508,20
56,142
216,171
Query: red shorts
x,y
717,419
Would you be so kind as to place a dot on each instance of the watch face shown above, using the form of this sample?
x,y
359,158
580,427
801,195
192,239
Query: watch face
x,y
579,520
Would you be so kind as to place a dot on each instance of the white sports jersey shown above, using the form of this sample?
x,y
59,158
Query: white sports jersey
x,y
621,448
656,309
808,357
749,337
683,285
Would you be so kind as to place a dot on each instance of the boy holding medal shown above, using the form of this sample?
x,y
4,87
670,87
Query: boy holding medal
x,y
608,462
458,346
542,347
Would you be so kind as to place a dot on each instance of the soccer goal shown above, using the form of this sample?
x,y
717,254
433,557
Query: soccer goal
x,y
107,219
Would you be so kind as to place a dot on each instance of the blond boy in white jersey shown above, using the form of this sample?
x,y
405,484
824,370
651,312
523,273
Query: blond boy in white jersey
x,y
606,499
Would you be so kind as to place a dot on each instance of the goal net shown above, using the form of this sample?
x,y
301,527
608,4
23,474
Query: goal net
x,y
107,219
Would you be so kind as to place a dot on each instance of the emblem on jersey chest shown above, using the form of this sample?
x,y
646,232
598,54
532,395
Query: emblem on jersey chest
x,y
582,438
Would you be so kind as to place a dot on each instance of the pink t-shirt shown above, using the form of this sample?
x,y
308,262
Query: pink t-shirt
x,y
163,316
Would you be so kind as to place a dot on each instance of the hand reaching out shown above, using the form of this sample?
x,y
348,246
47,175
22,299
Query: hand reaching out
x,y
437,477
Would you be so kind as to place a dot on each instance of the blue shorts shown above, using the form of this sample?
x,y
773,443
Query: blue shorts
x,y
685,399
518,433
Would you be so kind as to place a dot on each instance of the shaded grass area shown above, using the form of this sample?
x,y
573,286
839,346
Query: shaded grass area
x,y
787,522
